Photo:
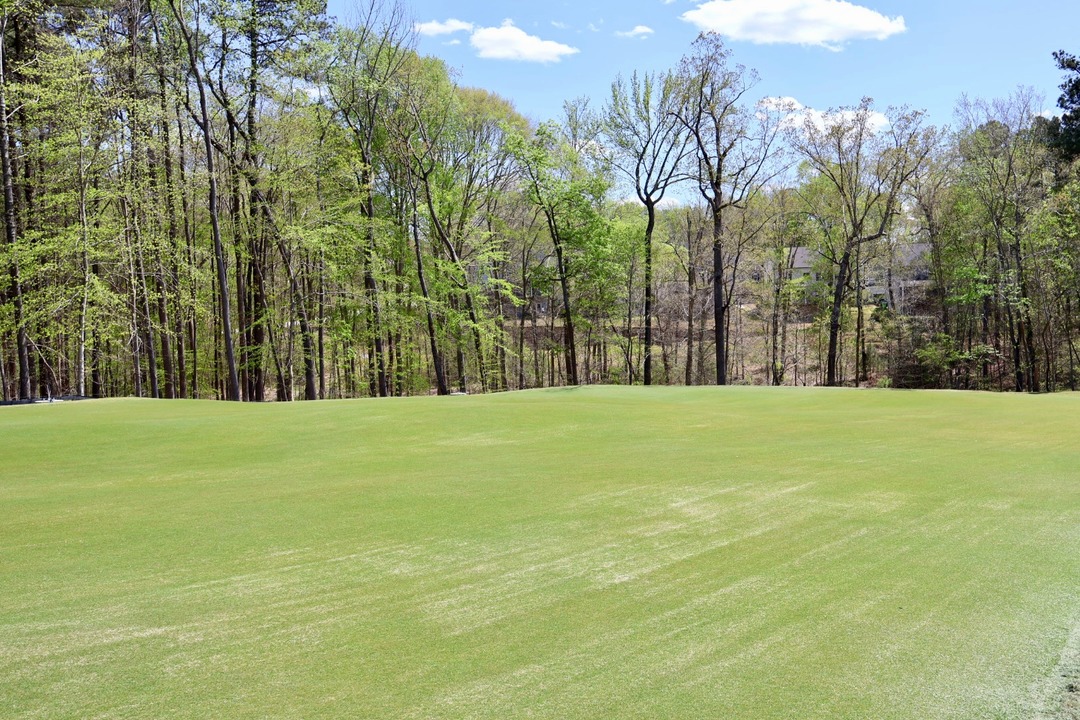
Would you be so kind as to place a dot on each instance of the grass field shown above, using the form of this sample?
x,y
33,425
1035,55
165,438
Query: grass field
x,y
580,553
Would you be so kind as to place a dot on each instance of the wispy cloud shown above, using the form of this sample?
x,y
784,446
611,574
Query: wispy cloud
x,y
508,42
449,27
824,23
639,31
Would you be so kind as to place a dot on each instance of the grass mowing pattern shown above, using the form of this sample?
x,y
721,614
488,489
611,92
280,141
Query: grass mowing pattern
x,y
579,553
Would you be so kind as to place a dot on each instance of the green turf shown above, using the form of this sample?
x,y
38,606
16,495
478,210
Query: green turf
x,y
580,553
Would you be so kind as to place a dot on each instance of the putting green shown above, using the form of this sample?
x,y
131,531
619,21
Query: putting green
x,y
578,553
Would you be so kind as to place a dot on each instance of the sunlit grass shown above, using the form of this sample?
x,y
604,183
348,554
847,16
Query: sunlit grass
x,y
580,553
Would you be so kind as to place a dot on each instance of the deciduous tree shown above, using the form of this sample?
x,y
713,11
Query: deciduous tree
x,y
733,145
866,159
650,144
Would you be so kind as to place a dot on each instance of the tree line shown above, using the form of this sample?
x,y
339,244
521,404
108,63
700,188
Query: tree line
x,y
249,200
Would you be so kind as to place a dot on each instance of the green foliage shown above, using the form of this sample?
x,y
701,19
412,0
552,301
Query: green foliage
x,y
941,354
1068,127
350,164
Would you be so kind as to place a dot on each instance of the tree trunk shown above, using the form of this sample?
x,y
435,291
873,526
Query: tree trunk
x,y
144,290
1027,333
647,353
831,378
860,339
175,381
568,318
441,386
719,315
526,306
371,285
779,318
322,327
720,302
691,297
257,244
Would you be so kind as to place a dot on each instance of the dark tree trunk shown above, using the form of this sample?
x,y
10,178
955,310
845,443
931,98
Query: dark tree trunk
x,y
647,353
568,318
779,320
257,244
691,297
719,315
832,361
860,338
144,290
720,301
175,380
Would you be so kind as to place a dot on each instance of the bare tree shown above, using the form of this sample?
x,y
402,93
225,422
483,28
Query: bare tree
x,y
734,146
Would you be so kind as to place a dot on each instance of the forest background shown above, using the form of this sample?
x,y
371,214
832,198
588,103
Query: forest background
x,y
254,201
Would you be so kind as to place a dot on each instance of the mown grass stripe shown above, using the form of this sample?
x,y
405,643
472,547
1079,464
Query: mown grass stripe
x,y
578,553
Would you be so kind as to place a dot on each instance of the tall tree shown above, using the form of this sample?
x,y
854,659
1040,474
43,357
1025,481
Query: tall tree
x,y
202,119
734,146
650,142
11,229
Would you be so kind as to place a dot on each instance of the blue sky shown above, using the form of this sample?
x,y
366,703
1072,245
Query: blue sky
x,y
822,53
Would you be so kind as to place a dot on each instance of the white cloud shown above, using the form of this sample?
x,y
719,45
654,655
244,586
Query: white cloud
x,y
795,114
508,42
825,23
559,25
640,31
443,28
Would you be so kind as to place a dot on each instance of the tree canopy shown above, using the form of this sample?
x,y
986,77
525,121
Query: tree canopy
x,y
255,201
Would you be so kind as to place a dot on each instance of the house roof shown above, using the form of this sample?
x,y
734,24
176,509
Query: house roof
x,y
805,258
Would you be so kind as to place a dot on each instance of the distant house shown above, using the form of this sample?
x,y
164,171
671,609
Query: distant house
x,y
899,275
892,276
806,263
